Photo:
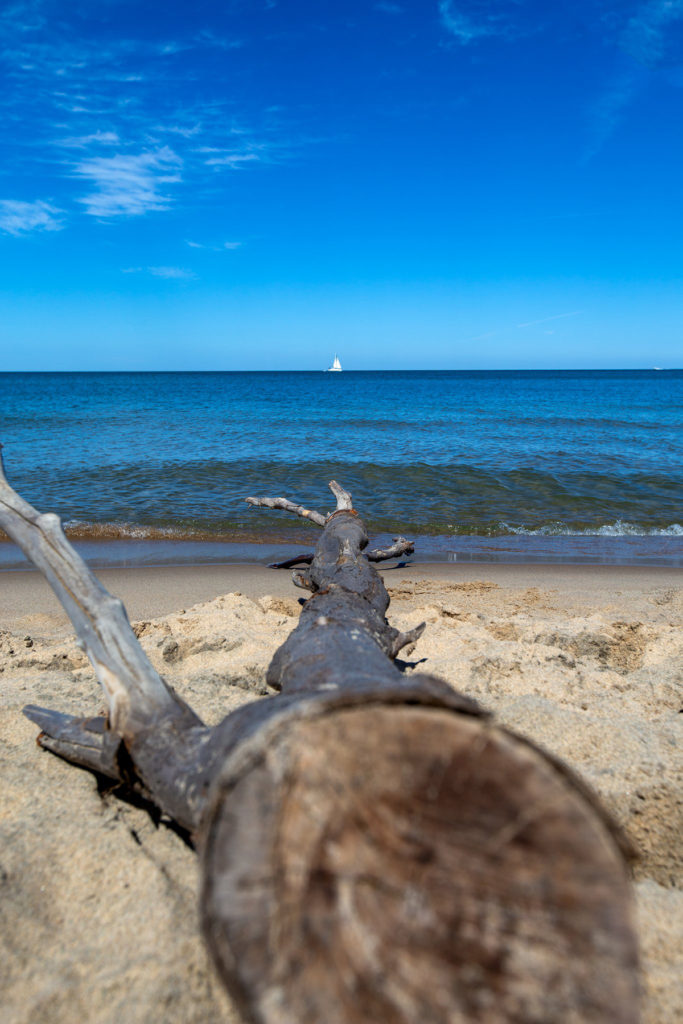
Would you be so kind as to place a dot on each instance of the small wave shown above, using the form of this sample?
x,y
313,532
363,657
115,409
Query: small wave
x,y
78,530
617,529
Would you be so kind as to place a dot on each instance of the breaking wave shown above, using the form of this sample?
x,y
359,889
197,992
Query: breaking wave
x,y
618,529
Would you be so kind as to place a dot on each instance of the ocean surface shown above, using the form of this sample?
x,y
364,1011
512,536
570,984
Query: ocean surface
x,y
153,468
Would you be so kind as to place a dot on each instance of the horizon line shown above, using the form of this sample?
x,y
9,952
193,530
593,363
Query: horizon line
x,y
408,369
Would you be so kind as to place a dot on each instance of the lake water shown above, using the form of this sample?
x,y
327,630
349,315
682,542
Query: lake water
x,y
545,465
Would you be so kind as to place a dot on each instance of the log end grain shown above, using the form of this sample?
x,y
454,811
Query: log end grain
x,y
408,864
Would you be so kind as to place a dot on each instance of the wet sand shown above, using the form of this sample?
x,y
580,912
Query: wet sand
x,y
152,591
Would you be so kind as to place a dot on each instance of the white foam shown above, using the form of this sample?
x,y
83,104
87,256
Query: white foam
x,y
124,531
618,529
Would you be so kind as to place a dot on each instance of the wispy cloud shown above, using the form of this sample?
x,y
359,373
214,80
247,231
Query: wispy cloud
x,y
459,24
215,156
208,38
140,121
214,248
646,36
18,217
527,323
469,20
128,185
23,16
172,273
95,138
608,110
204,38
187,132
233,160
388,8
169,273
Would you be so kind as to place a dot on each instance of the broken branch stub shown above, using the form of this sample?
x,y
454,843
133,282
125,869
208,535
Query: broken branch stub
x,y
372,846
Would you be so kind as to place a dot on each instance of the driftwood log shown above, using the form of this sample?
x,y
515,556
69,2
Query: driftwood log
x,y
373,847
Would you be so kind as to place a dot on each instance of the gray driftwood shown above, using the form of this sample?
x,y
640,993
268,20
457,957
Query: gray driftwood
x,y
373,848
398,549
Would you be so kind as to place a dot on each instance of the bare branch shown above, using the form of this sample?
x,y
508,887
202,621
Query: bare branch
x,y
136,694
288,506
401,546
289,563
402,640
83,741
344,504
344,500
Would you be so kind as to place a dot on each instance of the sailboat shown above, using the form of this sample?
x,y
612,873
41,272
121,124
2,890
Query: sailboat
x,y
336,365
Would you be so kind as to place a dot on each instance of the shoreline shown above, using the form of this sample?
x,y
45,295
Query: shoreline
x,y
153,591
651,550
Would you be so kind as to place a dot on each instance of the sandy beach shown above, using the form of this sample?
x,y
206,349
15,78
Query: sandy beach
x,y
98,918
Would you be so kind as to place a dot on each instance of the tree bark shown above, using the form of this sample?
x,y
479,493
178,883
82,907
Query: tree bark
x,y
373,847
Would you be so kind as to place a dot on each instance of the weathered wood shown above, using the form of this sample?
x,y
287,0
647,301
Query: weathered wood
x,y
400,547
401,863
373,847
288,506
159,734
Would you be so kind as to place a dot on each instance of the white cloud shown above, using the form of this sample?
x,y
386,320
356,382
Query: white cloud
x,y
175,129
214,248
205,38
81,141
18,217
178,273
231,159
460,25
468,20
124,122
129,185
169,273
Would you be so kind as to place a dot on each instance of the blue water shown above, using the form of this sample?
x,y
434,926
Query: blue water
x,y
528,463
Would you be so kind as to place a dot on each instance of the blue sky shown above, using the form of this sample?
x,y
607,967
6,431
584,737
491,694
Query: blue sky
x,y
256,184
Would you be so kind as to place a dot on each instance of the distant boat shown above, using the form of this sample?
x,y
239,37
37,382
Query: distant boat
x,y
336,365
656,367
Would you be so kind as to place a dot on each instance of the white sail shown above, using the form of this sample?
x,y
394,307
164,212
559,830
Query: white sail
x,y
336,365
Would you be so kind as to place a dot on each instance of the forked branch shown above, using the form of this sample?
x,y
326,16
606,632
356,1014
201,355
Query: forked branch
x,y
143,712
136,695
288,506
342,496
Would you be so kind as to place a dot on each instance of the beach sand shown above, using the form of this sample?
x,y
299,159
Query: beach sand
x,y
98,908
